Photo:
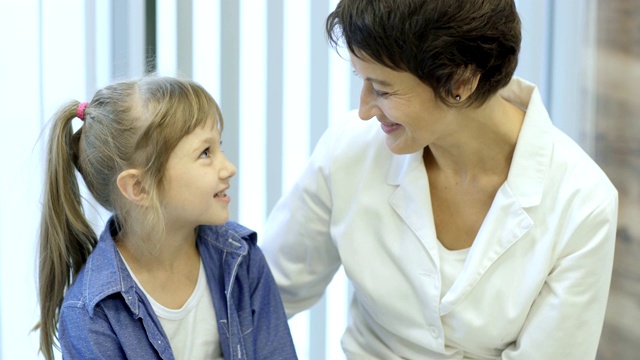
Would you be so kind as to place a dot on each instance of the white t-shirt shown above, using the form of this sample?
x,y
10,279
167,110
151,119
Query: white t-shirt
x,y
192,330
451,264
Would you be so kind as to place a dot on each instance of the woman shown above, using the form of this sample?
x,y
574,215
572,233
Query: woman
x,y
469,226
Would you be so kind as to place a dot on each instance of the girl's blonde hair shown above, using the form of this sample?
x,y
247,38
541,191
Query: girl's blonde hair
x,y
130,124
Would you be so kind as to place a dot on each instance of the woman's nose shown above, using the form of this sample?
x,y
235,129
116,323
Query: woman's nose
x,y
368,106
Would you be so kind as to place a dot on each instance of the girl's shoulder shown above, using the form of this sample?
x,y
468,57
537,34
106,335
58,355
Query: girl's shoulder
x,y
229,236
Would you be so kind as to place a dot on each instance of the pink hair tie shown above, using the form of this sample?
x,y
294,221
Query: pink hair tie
x,y
80,111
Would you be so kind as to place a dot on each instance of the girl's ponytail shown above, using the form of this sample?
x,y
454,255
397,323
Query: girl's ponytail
x,y
66,238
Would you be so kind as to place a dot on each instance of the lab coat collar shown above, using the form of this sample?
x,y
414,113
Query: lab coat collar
x,y
532,154
493,239
522,189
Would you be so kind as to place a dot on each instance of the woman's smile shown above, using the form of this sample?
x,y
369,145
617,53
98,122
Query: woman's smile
x,y
389,127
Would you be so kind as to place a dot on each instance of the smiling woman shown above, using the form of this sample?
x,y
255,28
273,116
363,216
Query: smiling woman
x,y
409,111
468,224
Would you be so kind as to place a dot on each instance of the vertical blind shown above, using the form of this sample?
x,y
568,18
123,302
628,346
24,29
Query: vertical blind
x,y
267,64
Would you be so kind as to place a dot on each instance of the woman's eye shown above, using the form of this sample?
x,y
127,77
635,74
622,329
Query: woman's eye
x,y
205,153
380,94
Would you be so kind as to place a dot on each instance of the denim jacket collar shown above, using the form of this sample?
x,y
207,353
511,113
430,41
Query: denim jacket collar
x,y
107,274
230,237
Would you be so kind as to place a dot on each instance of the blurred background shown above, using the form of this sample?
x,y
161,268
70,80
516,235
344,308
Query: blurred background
x,y
279,85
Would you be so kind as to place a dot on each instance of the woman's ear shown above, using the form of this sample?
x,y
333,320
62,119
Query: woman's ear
x,y
130,185
466,84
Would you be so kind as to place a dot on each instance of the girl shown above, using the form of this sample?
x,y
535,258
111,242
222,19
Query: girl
x,y
169,277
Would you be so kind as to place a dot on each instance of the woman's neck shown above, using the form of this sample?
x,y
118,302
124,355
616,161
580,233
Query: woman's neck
x,y
481,143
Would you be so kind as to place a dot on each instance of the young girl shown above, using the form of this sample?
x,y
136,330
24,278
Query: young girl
x,y
169,277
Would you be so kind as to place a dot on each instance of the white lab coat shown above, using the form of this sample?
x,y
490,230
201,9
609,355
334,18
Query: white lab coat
x,y
535,282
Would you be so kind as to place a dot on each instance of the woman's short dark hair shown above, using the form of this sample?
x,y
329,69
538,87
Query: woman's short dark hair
x,y
439,41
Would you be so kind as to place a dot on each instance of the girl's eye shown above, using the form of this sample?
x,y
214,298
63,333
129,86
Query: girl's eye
x,y
205,153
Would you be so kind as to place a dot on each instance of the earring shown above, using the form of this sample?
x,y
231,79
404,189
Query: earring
x,y
458,97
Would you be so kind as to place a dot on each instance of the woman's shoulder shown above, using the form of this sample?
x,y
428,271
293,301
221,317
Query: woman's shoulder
x,y
577,167
551,164
573,182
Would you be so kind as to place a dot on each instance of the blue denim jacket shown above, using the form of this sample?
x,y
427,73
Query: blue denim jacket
x,y
105,315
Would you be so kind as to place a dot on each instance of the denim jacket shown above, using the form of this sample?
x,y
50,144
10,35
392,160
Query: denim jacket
x,y
105,315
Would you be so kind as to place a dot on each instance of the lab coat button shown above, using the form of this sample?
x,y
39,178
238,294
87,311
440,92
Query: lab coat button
x,y
433,331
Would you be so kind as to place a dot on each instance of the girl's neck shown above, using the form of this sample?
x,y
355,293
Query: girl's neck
x,y
170,274
177,250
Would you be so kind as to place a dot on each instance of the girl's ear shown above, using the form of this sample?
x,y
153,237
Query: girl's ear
x,y
130,185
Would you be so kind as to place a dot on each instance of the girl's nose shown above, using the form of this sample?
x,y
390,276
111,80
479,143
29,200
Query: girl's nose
x,y
227,170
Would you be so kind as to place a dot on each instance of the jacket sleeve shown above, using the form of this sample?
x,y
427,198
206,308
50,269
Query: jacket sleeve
x,y
565,321
87,337
297,241
271,335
